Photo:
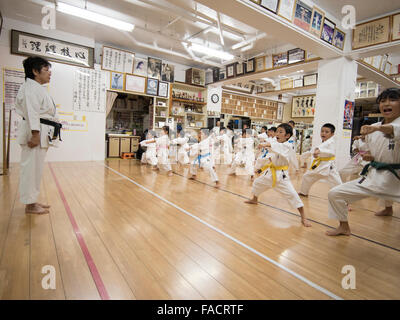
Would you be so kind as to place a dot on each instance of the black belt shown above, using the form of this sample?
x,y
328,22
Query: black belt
x,y
57,127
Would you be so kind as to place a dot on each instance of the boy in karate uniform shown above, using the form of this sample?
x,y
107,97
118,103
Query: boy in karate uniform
x,y
275,173
226,140
269,137
245,154
203,158
323,165
182,141
150,156
381,177
162,145
356,164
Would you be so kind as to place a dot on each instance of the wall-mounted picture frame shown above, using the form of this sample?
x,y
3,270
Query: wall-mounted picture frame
x,y
168,72
271,5
117,81
385,58
215,74
152,86
310,80
163,89
286,9
371,33
260,63
338,38
328,30
135,83
279,111
296,55
298,83
310,56
230,70
317,22
250,65
279,60
377,62
304,106
286,84
117,60
240,68
140,67
302,15
154,66
28,44
395,27
222,74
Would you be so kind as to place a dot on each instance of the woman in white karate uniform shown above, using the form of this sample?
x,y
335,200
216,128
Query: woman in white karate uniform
x,y
33,102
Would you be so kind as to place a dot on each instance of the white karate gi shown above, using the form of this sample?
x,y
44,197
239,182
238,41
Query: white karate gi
x,y
150,156
162,144
32,103
381,184
326,171
183,157
280,156
203,158
293,139
356,164
244,156
264,154
226,144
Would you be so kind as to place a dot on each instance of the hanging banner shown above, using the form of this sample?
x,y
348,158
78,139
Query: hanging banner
x,y
348,114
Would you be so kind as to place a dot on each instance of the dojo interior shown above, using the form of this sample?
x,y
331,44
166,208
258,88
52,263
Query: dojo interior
x,y
118,229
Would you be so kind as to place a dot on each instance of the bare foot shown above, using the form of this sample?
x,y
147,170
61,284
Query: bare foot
x,y
193,177
349,208
170,174
251,177
387,212
305,223
156,169
35,209
251,201
44,206
217,184
303,195
341,230
232,174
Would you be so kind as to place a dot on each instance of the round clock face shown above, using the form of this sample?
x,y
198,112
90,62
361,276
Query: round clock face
x,y
214,98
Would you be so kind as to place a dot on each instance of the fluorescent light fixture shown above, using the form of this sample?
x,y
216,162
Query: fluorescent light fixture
x,y
250,46
211,52
94,17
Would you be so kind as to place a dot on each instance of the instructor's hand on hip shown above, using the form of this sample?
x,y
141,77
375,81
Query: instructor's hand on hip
x,y
35,140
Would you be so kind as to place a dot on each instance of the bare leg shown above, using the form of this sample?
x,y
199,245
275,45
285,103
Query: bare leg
x,y
388,211
217,184
35,208
192,177
254,200
304,220
343,229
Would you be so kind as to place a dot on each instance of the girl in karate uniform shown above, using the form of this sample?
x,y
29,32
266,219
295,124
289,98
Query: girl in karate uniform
x,y
150,156
162,144
226,142
182,142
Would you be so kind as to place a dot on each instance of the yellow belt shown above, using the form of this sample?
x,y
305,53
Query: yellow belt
x,y
317,162
273,171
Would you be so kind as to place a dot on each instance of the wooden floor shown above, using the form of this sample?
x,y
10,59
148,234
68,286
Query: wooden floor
x,y
127,243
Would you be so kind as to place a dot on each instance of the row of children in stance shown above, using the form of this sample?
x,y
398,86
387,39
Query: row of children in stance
x,y
269,154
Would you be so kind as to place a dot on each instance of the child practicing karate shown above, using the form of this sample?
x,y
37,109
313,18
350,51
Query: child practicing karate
x,y
182,142
356,163
275,173
269,136
150,156
245,154
162,145
225,140
381,177
203,158
323,165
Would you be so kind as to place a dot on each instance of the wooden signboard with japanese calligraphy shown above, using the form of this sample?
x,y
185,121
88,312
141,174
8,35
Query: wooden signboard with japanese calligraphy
x,y
28,44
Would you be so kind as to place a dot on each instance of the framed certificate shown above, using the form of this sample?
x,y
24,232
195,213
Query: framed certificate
x,y
135,83
371,33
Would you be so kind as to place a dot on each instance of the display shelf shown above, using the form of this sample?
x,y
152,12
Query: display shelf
x,y
189,101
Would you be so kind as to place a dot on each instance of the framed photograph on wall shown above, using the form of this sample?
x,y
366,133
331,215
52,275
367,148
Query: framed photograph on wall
x,y
286,84
260,64
168,72
163,89
222,73
396,27
140,67
377,62
250,65
152,86
302,15
271,5
317,22
154,68
371,33
230,70
296,55
117,81
135,83
298,83
279,60
338,38
310,79
328,30
286,9
279,114
303,106
240,68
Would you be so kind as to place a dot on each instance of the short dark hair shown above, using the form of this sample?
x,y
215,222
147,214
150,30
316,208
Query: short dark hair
x,y
265,128
391,93
34,63
291,121
288,129
330,126
166,129
274,129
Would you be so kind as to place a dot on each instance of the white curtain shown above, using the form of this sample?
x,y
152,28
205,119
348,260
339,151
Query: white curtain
x,y
111,96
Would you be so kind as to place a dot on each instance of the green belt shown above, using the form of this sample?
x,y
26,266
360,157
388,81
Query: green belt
x,y
382,166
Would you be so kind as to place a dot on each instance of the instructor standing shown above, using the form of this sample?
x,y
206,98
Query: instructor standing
x,y
33,103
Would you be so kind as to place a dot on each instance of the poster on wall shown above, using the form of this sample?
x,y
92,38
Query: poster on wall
x,y
348,114
303,106
13,79
279,112
89,91
117,60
